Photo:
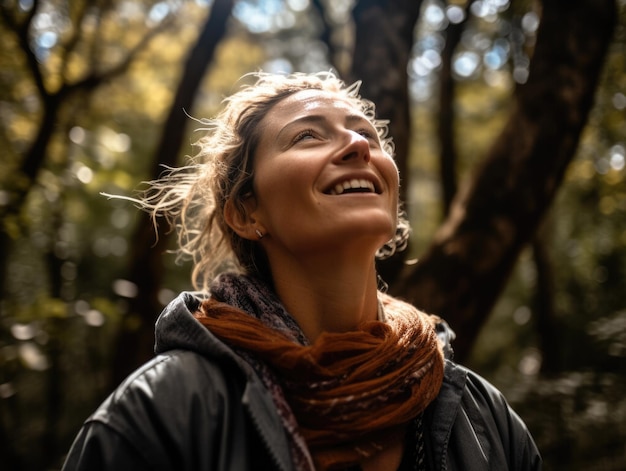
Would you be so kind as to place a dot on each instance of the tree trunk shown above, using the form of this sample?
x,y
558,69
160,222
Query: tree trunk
x,y
381,61
52,103
135,339
25,179
326,34
463,272
446,119
543,308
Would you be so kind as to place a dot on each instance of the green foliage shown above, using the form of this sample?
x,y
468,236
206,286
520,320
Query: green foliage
x,y
578,418
65,297
577,415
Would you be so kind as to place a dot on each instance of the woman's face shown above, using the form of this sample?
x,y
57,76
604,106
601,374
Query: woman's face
x,y
321,178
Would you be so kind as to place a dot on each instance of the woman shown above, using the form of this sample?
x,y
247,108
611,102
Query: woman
x,y
293,359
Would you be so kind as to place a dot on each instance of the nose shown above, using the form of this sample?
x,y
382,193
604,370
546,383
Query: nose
x,y
355,147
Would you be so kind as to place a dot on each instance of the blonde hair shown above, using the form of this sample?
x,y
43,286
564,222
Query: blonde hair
x,y
192,198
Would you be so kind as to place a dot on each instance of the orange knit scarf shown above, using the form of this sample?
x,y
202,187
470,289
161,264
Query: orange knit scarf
x,y
351,392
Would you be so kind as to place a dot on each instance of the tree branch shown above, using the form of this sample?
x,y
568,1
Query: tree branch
x,y
462,274
146,264
21,31
70,44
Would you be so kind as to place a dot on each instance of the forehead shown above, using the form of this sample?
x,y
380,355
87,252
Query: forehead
x,y
307,102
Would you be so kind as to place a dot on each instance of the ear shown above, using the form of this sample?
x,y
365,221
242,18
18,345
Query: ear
x,y
243,223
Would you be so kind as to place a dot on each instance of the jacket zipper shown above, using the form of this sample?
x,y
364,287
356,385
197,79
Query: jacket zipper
x,y
265,439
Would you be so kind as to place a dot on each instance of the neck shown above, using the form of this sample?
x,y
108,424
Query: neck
x,y
327,295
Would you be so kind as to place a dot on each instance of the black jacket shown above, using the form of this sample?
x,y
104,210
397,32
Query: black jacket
x,y
198,406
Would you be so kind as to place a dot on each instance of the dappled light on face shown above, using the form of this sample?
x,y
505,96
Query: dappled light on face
x,y
62,311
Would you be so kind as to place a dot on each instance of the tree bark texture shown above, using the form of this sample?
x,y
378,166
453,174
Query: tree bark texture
x,y
464,270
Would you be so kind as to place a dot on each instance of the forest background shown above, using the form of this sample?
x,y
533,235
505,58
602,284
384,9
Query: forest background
x,y
508,118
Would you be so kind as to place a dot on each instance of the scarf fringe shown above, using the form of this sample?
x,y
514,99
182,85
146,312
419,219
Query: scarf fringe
x,y
351,393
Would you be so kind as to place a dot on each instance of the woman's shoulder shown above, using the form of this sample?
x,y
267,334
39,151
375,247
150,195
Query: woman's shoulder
x,y
172,377
170,409
464,388
471,417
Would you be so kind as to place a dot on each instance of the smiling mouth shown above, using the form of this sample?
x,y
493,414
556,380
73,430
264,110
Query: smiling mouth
x,y
353,186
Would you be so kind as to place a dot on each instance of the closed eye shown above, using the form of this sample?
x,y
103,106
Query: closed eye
x,y
366,133
303,135
369,134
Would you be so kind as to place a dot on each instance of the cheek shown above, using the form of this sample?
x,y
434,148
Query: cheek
x,y
281,192
392,176
276,181
285,174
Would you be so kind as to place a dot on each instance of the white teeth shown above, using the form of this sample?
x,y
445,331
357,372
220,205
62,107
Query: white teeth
x,y
354,183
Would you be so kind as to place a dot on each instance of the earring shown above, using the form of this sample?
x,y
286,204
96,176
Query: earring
x,y
259,233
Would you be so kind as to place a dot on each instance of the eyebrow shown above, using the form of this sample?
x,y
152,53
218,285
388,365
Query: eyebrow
x,y
320,119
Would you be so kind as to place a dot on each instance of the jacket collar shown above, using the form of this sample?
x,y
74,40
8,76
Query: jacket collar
x,y
446,408
177,329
